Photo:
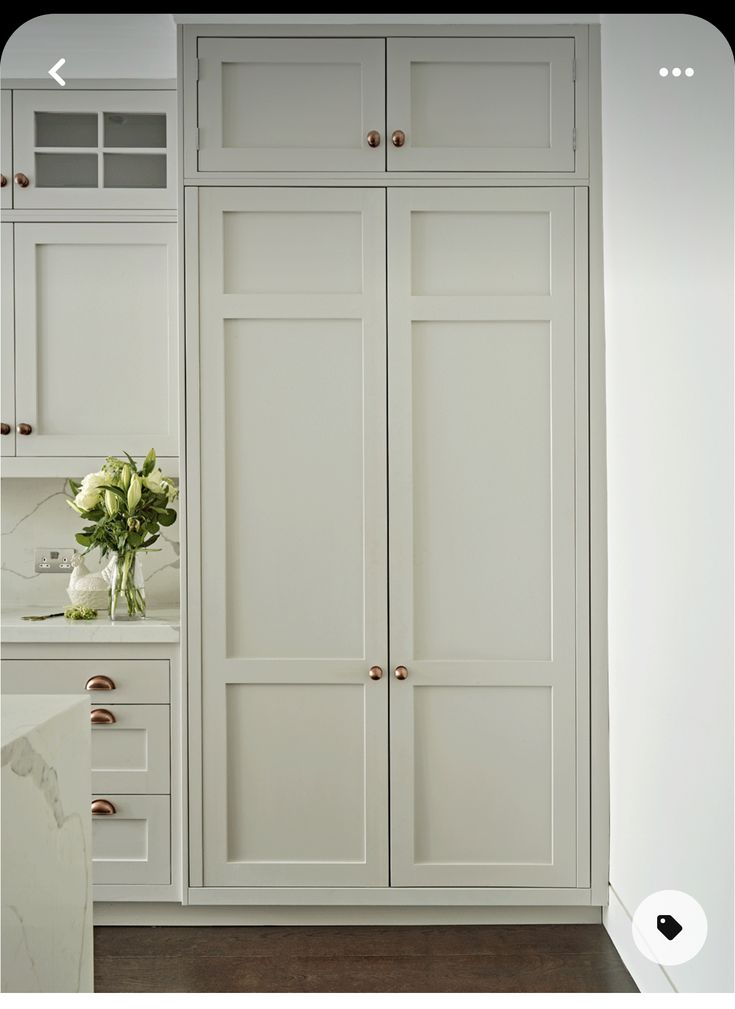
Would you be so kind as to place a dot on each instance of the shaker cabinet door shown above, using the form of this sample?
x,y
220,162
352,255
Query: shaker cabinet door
x,y
290,105
294,554
481,105
486,537
96,339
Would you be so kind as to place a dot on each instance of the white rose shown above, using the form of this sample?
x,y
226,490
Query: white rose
x,y
93,480
87,499
154,482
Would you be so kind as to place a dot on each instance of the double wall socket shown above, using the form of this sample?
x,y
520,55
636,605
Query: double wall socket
x,y
54,560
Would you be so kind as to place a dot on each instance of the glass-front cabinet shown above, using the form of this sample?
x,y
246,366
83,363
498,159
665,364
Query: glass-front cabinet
x,y
94,149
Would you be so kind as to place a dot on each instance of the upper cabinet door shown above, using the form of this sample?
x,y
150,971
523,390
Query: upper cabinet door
x,y
96,348
291,105
94,149
481,105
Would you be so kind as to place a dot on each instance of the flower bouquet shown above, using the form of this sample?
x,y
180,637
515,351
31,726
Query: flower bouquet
x,y
124,507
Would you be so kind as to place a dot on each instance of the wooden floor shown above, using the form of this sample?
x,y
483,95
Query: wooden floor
x,y
351,958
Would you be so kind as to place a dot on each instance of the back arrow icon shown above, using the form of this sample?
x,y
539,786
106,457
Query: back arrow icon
x,y
52,73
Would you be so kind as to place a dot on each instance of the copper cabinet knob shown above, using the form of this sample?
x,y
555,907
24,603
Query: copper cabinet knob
x,y
101,716
103,807
3,181
22,180
398,138
99,682
376,673
373,138
400,672
23,428
4,428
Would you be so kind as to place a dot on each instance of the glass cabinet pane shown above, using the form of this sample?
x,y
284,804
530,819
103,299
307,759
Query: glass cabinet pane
x,y
76,171
66,129
135,171
124,129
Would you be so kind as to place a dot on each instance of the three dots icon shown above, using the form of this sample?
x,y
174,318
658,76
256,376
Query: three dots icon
x,y
676,72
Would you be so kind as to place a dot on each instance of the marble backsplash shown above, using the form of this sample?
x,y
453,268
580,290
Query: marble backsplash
x,y
34,514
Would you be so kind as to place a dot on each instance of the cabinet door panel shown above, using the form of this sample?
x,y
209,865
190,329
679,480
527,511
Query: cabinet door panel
x,y
95,149
483,540
294,566
6,149
134,844
290,104
7,341
494,105
96,362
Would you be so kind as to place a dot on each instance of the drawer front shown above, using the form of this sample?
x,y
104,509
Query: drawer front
x,y
134,844
135,681
131,754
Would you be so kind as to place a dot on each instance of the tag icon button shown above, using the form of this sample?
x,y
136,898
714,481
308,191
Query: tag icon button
x,y
668,926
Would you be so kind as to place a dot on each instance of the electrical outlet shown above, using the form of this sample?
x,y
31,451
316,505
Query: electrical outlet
x,y
54,560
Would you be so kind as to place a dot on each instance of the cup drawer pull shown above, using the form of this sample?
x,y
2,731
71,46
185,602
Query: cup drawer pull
x,y
101,716
99,682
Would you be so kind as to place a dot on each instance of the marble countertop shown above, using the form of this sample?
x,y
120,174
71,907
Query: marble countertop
x,y
22,713
158,626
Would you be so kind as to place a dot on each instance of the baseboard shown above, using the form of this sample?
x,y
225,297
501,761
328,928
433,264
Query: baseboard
x,y
129,913
650,977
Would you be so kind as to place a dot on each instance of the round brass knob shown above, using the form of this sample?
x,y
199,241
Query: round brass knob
x,y
398,138
4,428
23,428
101,716
3,181
103,807
400,672
373,138
99,682
376,673
22,180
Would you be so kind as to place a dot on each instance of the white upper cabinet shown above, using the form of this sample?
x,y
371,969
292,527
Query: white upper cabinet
x,y
291,105
481,104
501,104
96,339
94,149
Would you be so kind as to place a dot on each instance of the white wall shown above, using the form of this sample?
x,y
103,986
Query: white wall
x,y
93,45
668,219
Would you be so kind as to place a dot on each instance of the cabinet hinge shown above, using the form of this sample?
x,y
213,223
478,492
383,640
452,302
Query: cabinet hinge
x,y
574,69
574,138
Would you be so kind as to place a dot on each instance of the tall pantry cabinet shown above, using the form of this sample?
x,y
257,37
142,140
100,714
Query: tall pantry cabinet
x,y
395,683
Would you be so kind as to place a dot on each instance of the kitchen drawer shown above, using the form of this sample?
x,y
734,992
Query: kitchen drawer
x,y
133,845
135,681
131,754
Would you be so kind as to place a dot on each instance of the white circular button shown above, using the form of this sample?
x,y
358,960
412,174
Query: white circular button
x,y
664,72
676,72
689,72
669,927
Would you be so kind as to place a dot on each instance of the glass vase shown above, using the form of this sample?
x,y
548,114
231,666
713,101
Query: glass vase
x,y
124,575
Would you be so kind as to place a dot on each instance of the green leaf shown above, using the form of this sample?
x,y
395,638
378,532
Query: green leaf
x,y
86,541
135,539
131,461
115,490
74,486
149,462
149,542
168,518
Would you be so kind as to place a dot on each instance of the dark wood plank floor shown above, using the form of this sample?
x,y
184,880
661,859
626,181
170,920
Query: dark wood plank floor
x,y
358,958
